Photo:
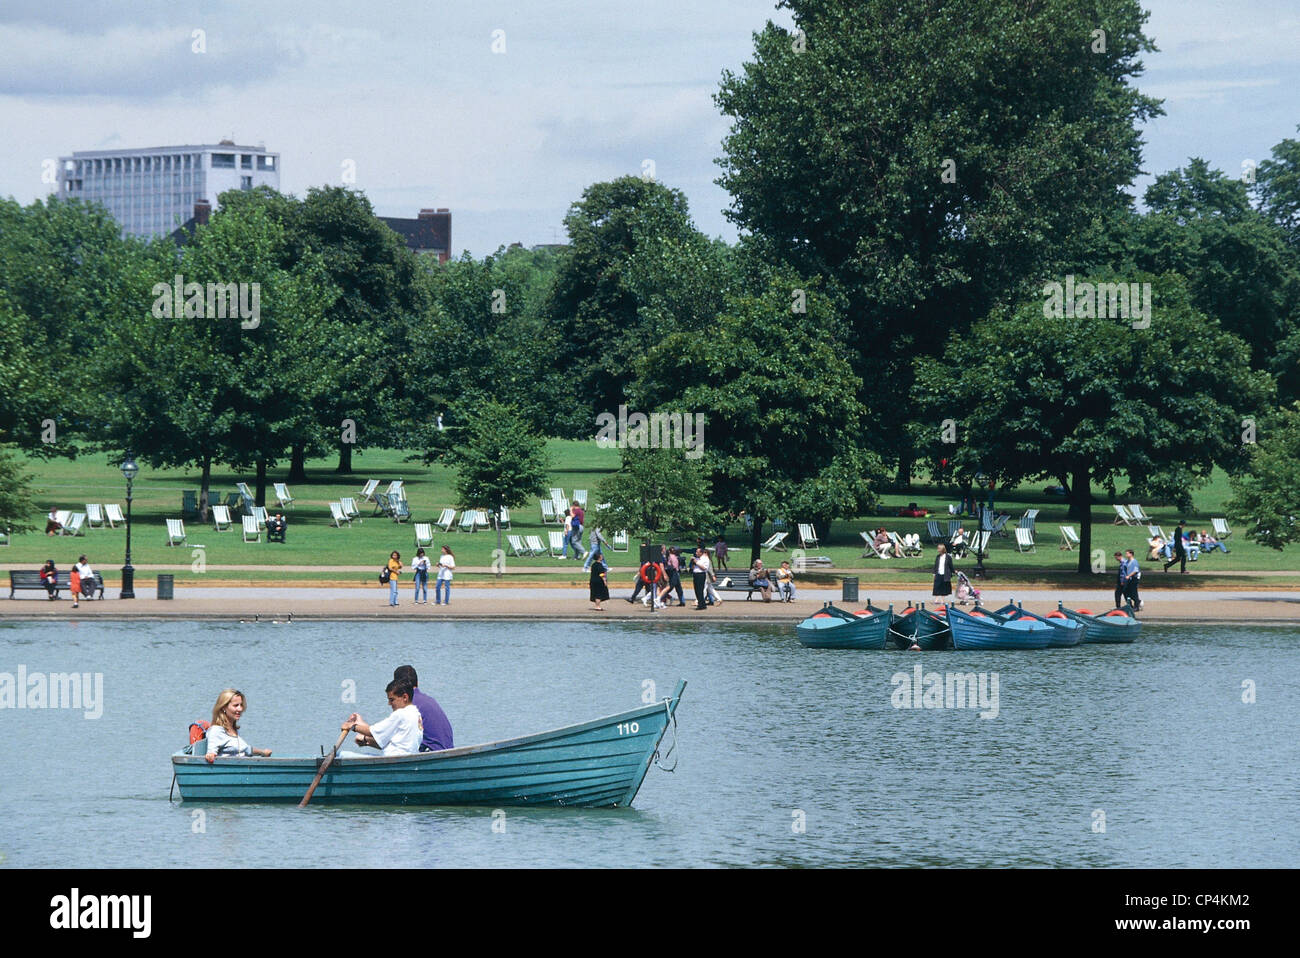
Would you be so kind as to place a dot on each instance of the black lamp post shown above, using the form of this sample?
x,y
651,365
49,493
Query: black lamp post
x,y
129,469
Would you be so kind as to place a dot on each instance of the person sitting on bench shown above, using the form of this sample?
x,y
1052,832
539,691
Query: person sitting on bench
x,y
275,527
758,579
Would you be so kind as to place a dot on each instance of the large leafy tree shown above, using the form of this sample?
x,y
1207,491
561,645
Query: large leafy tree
x,y
1278,187
928,156
1266,494
1094,399
16,508
656,491
499,460
636,271
783,424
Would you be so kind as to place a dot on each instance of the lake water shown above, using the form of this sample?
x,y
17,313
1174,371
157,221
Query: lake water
x,y
1141,755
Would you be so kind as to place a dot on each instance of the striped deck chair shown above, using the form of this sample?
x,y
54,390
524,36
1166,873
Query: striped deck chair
x,y
932,531
953,526
466,523
446,519
869,542
175,532
620,542
548,511
535,545
76,525
1221,530
503,518
259,514
95,515
1069,538
901,548
1138,513
776,542
517,546
282,495
113,513
580,497
423,534
367,493
1025,540
338,516
350,508
557,543
1123,515
807,537
220,518
251,529
1028,520
1000,525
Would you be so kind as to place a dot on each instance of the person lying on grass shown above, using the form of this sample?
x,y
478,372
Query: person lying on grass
x,y
398,734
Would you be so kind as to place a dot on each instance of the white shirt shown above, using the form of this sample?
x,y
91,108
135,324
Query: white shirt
x,y
221,742
400,733
702,564
84,570
943,564
445,564
421,562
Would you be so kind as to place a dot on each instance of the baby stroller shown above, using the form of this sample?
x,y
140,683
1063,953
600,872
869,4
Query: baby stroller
x,y
965,591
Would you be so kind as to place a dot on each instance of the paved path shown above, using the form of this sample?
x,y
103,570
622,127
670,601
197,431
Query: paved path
x,y
525,603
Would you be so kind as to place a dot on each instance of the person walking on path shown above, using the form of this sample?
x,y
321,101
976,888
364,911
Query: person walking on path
x,y
594,549
942,574
1180,549
674,578
420,569
576,528
394,570
720,553
1121,580
442,588
599,584
700,576
1134,578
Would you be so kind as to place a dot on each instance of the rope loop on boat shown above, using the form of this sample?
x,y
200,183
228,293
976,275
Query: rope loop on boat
x,y
672,716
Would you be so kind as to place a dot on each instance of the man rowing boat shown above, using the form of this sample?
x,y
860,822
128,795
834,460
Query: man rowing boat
x,y
397,734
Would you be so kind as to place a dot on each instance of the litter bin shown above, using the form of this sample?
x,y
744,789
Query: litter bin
x,y
849,588
167,586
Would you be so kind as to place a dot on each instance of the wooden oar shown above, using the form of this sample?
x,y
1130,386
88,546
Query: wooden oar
x,y
324,765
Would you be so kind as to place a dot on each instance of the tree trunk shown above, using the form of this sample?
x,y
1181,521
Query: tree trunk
x,y
1063,484
345,458
904,477
1081,508
261,483
204,481
297,464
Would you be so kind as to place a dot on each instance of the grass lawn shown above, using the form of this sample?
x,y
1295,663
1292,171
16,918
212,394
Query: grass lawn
x,y
313,543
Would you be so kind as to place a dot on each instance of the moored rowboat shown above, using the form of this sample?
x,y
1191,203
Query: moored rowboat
x,y
833,628
592,765
919,626
1066,632
985,630
1109,628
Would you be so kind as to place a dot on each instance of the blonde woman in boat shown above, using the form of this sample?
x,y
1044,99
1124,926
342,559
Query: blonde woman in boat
x,y
223,735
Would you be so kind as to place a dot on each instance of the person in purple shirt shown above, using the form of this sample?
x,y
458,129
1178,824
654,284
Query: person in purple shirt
x,y
437,730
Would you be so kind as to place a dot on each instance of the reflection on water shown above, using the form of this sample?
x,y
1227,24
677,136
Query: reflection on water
x,y
1142,755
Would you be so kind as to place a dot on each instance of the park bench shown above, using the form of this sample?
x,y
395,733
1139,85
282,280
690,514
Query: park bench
x,y
740,584
26,580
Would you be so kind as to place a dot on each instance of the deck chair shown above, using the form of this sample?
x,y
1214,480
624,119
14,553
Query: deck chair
x,y
776,542
282,495
1000,525
95,515
557,543
620,542
251,528
1221,530
807,537
535,545
244,490
517,546
548,511
63,517
1069,538
580,497
76,524
1028,520
367,493
338,516
175,532
557,495
503,518
901,548
1137,513
481,519
1123,515
986,519
466,523
953,526
932,531
113,513
398,508
220,518
1025,540
234,500
259,515
350,508
979,543
1157,531
396,487
870,549
446,519
423,534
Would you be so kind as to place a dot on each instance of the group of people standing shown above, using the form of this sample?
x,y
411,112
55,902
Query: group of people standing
x,y
420,568
1127,580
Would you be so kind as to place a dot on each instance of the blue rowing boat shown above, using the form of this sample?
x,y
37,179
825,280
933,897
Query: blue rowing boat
x,y
1109,628
597,764
986,630
918,626
1066,632
834,628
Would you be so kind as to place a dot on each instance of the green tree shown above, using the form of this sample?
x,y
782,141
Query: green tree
x,y
656,491
929,157
1278,187
16,507
787,414
1265,494
1093,399
499,462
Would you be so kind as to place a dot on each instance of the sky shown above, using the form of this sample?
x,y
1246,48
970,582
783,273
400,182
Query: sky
x,y
505,111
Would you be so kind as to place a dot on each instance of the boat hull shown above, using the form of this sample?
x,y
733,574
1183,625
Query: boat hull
x,y
844,630
592,765
1107,629
1066,633
921,627
994,632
